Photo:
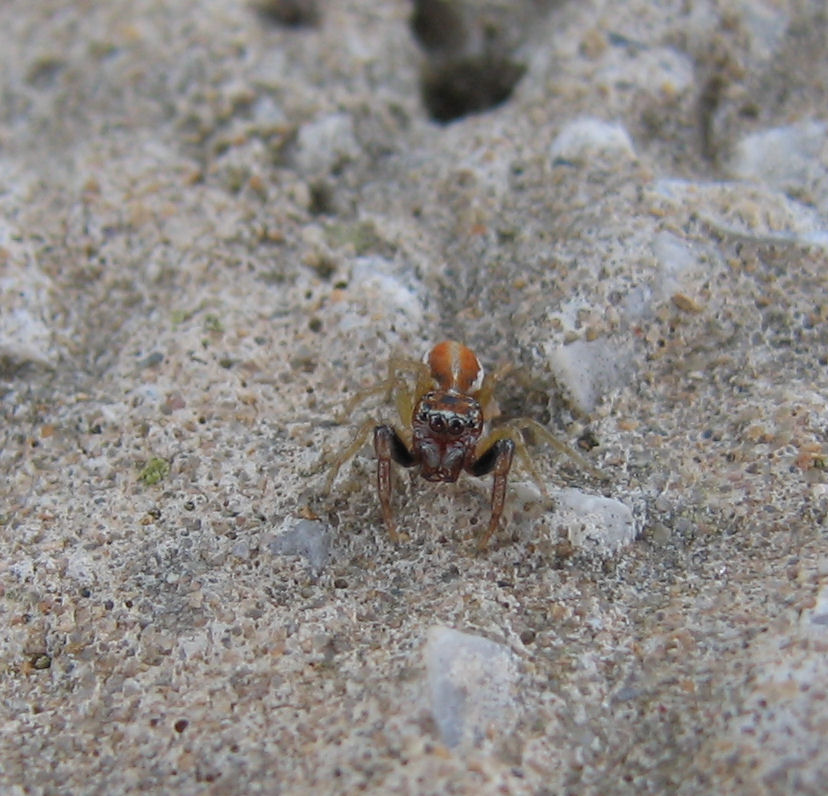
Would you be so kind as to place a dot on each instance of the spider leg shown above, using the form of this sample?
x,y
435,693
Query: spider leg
x,y
512,432
486,394
395,384
383,387
404,397
338,461
398,364
496,459
495,453
389,445
547,436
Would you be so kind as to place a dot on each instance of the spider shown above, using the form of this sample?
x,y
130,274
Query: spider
x,y
443,419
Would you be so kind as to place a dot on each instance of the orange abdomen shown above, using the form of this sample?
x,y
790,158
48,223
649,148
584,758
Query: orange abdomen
x,y
455,367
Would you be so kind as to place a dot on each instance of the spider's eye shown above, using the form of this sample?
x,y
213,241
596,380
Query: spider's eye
x,y
437,423
456,425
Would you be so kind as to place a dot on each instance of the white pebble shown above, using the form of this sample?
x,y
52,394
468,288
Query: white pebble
x,y
325,143
470,681
585,137
25,305
793,159
307,538
587,370
601,523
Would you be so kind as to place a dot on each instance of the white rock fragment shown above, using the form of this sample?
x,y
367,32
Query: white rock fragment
x,y
754,210
325,143
814,621
80,566
676,259
656,71
23,569
241,550
678,262
25,336
375,281
766,23
470,682
587,370
193,646
267,113
602,524
793,159
309,539
586,137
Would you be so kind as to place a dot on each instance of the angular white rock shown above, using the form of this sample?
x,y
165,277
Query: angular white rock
x,y
602,524
325,142
470,682
756,210
587,370
386,292
309,539
25,292
679,270
587,136
793,159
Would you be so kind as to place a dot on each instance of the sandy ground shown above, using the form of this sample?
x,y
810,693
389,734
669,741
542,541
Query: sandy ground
x,y
218,220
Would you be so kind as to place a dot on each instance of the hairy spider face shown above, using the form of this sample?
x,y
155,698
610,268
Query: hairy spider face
x,y
445,428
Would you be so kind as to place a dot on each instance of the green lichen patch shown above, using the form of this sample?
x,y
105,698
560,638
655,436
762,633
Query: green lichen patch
x,y
154,471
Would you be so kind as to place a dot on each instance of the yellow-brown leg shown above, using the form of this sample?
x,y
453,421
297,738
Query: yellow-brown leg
x,y
404,397
385,387
520,423
404,400
485,396
356,444
394,384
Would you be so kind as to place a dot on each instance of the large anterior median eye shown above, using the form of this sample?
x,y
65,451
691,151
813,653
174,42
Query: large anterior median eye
x,y
456,426
437,423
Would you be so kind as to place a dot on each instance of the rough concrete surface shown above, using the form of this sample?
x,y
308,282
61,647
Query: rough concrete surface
x,y
219,219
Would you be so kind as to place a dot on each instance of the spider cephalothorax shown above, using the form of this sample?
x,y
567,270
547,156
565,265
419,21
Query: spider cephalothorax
x,y
445,428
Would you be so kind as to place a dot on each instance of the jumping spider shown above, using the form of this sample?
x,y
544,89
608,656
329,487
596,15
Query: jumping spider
x,y
442,423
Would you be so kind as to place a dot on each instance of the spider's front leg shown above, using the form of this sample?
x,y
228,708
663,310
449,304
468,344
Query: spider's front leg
x,y
496,459
389,445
